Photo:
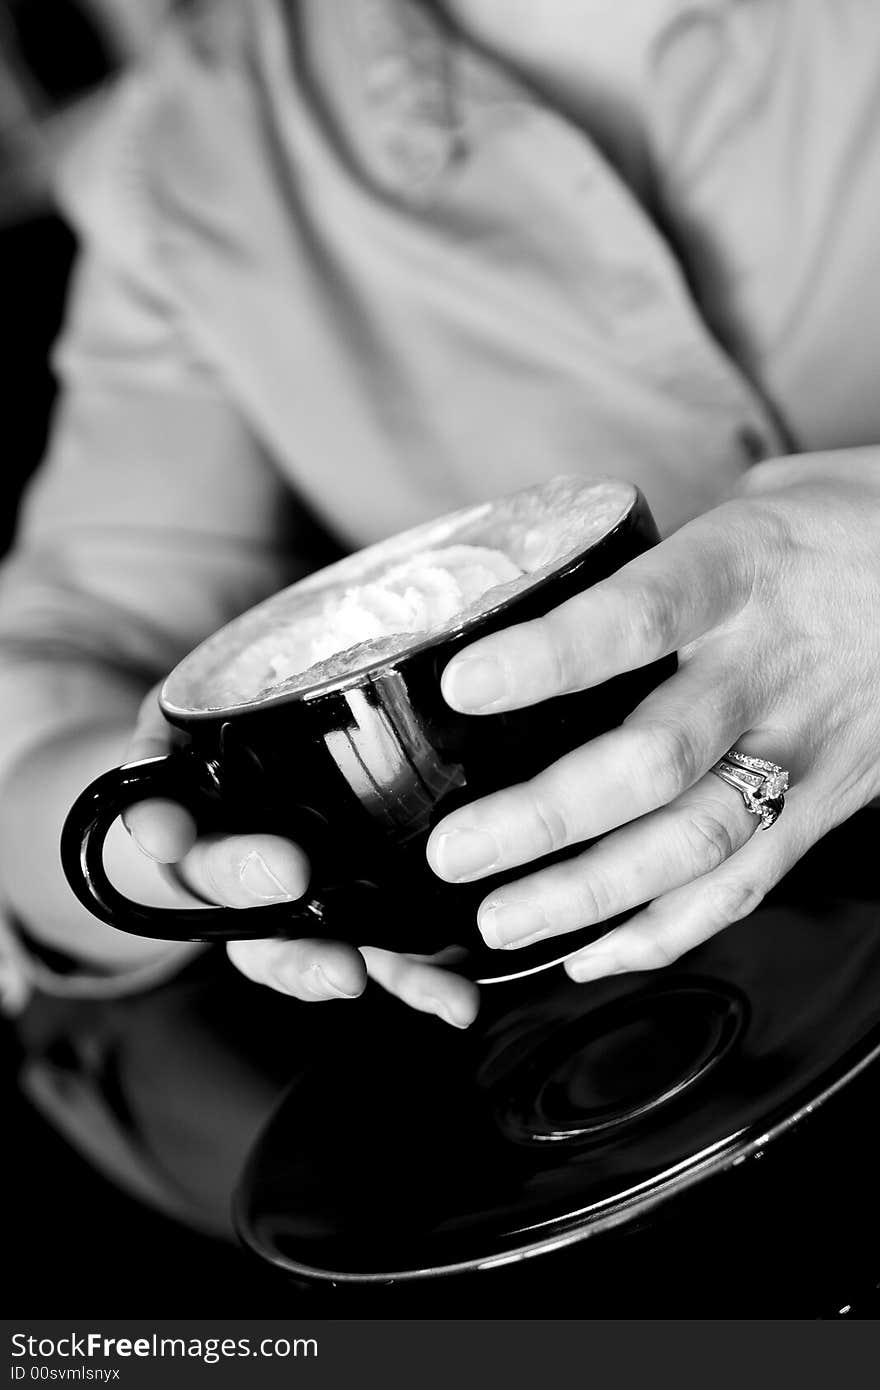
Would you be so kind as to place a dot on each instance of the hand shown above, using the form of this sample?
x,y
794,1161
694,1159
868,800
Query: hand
x,y
773,602
247,870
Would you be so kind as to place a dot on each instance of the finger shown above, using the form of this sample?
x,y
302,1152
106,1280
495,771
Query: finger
x,y
647,858
682,919
245,870
307,970
162,829
449,955
659,602
425,987
152,734
673,738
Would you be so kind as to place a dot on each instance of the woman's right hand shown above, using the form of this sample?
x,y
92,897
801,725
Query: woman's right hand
x,y
246,870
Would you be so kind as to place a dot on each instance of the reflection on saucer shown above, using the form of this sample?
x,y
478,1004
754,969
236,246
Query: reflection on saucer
x,y
613,1067
569,1108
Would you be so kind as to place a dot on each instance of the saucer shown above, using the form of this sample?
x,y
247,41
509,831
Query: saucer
x,y
567,1110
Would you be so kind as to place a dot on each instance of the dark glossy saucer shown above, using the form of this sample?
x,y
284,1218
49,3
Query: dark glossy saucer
x,y
569,1109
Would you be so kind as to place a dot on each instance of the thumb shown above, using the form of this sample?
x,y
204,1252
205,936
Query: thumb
x,y
161,829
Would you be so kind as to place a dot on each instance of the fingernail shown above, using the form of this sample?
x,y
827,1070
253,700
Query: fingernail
x,y
592,967
259,880
511,924
462,854
474,683
325,985
436,1006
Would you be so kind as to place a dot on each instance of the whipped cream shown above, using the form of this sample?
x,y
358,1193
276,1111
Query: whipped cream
x,y
416,597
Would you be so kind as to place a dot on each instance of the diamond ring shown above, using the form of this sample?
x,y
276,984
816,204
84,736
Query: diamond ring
x,y
761,784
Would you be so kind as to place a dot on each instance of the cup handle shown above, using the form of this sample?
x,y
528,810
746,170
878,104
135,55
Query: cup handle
x,y
176,777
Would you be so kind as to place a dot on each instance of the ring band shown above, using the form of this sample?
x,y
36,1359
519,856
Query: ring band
x,y
761,784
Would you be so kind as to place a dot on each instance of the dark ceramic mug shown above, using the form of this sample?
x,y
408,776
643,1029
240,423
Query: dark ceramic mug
x,y
357,763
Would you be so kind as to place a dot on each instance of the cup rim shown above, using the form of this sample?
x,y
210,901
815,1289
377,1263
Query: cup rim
x,y
448,633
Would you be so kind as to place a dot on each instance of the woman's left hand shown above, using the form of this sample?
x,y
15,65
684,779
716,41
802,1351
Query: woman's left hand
x,y
773,602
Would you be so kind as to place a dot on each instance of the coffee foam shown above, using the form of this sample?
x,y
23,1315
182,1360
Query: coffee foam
x,y
533,533
416,597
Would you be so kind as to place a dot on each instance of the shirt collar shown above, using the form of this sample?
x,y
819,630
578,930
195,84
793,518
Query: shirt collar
x,y
414,85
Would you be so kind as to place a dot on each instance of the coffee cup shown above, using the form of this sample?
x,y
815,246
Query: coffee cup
x,y
312,718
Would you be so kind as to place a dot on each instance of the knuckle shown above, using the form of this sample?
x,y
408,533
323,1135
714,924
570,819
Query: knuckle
x,y
559,652
648,619
758,479
766,476
550,823
708,843
668,759
735,898
595,897
206,869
